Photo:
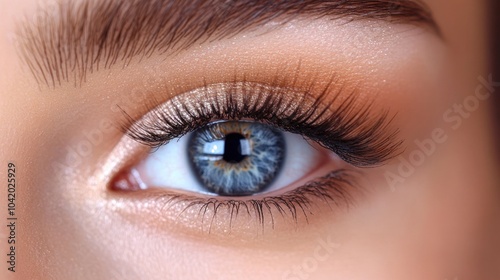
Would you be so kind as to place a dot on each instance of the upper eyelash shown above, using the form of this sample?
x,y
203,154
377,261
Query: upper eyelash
x,y
355,137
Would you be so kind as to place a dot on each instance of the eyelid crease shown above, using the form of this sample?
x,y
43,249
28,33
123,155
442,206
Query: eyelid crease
x,y
342,126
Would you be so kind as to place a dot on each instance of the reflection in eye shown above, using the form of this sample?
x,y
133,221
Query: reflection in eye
x,y
254,154
263,159
236,158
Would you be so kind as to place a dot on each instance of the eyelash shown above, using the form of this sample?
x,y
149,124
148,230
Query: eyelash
x,y
292,204
356,137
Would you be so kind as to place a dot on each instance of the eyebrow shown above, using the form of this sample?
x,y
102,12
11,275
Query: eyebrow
x,y
68,41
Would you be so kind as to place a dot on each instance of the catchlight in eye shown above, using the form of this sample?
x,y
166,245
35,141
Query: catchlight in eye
x,y
236,158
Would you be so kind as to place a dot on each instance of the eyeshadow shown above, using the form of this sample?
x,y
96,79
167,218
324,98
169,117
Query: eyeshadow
x,y
353,132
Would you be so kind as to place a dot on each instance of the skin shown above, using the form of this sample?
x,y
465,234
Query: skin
x,y
440,221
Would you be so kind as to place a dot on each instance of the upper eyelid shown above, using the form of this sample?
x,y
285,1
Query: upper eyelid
x,y
82,38
348,129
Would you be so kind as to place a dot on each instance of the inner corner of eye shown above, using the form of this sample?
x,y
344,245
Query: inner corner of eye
x,y
225,158
127,180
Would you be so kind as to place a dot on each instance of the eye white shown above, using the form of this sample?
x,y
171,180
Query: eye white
x,y
169,166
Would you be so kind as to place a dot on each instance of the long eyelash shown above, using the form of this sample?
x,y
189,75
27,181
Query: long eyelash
x,y
351,132
344,126
295,204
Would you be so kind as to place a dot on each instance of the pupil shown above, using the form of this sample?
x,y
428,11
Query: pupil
x,y
232,148
236,158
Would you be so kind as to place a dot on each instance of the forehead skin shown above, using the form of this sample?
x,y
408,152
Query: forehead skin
x,y
455,225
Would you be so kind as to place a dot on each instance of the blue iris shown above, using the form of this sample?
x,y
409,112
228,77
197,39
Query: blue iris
x,y
236,158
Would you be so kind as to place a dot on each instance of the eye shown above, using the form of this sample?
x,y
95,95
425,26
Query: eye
x,y
241,145
231,158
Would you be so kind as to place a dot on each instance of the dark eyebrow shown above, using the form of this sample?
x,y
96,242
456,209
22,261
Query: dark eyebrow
x,y
70,40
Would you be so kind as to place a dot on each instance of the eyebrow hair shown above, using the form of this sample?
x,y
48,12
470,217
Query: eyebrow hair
x,y
67,41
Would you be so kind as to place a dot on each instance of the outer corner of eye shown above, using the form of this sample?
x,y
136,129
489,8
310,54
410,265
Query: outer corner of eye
x,y
226,159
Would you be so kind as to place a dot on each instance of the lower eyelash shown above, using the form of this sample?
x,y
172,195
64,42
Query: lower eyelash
x,y
334,189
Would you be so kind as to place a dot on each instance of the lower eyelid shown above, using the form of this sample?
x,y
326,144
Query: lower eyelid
x,y
241,218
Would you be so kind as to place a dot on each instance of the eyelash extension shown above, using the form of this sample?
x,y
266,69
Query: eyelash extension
x,y
351,132
340,125
294,204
